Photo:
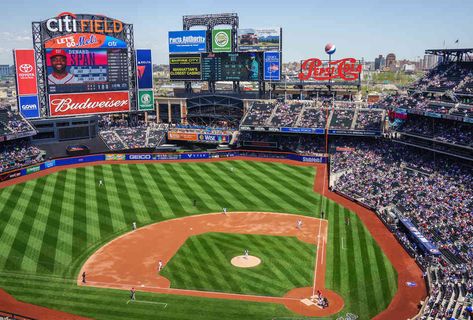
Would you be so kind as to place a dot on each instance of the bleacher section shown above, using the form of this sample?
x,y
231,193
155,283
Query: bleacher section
x,y
341,116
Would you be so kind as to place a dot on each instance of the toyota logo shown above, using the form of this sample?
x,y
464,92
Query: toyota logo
x,y
26,68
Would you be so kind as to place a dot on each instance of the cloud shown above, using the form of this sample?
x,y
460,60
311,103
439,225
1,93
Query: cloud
x,y
22,36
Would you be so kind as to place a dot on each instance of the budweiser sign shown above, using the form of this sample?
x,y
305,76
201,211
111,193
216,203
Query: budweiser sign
x,y
75,104
346,69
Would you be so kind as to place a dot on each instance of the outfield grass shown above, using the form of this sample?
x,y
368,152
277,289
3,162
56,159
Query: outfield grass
x,y
203,263
49,226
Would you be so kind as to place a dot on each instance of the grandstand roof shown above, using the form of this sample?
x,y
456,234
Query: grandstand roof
x,y
452,54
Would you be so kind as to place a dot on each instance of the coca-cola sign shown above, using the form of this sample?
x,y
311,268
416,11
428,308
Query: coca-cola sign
x,y
346,69
61,105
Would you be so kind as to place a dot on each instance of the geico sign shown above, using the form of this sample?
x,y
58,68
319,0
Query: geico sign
x,y
68,22
27,107
139,157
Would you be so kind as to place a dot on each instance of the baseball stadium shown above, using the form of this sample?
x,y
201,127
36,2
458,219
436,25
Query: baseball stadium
x,y
228,183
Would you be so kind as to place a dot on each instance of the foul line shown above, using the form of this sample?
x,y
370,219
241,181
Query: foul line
x,y
149,302
317,257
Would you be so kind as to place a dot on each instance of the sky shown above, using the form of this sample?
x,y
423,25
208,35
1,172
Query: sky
x,y
359,29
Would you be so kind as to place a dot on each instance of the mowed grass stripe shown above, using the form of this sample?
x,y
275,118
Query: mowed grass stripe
x,y
80,236
114,191
218,177
276,182
223,198
135,189
368,283
163,210
68,220
234,185
127,211
299,199
10,223
49,243
33,248
94,232
100,198
193,190
22,230
174,206
148,206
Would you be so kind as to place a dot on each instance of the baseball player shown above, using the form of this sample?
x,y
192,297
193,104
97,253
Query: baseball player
x,y
132,294
134,225
225,211
160,265
100,183
83,277
299,224
246,253
60,73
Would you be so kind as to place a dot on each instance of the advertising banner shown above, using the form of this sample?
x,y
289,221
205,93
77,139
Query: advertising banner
x,y
29,106
61,105
216,138
259,39
33,169
84,41
222,40
427,246
144,68
25,67
115,157
182,136
272,66
184,67
187,41
145,100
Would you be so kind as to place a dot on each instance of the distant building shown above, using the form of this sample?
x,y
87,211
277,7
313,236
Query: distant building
x,y
430,61
391,61
379,62
5,70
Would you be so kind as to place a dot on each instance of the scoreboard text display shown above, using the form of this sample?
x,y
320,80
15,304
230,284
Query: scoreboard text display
x,y
185,66
86,70
239,66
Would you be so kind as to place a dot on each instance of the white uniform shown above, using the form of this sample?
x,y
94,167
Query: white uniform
x,y
68,79
134,225
100,183
160,265
299,224
225,211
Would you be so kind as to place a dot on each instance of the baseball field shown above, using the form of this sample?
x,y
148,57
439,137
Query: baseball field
x,y
50,226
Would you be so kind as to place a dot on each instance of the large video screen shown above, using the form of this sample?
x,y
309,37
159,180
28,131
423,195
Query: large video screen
x,y
84,70
184,67
240,66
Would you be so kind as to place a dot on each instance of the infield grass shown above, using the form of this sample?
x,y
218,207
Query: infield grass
x,y
49,226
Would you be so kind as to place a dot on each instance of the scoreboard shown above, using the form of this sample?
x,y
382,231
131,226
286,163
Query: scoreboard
x,y
238,66
86,70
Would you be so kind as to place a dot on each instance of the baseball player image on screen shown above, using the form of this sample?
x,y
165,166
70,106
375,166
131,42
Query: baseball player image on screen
x,y
60,75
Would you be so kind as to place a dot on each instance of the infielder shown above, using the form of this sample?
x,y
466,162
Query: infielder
x,y
160,265
299,224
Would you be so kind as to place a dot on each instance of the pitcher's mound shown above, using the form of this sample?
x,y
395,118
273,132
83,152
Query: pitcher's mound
x,y
245,262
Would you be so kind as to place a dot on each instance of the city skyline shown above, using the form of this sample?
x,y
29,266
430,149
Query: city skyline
x,y
362,30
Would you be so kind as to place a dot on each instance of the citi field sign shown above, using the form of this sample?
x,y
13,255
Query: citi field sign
x,y
67,22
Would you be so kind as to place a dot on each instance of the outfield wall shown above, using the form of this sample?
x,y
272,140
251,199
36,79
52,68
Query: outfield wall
x,y
159,157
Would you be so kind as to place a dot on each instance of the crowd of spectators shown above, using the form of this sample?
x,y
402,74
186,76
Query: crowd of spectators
x,y
125,133
436,195
313,114
258,114
285,115
342,119
443,130
369,120
18,153
12,123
